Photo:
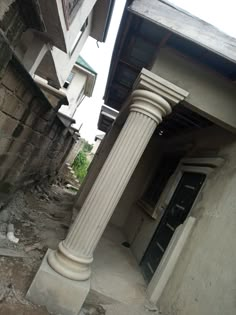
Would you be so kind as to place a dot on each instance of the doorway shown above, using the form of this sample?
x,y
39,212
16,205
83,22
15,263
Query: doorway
x,y
175,214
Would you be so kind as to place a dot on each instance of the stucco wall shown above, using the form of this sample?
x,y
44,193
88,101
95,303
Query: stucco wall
x,y
210,94
83,12
204,279
64,62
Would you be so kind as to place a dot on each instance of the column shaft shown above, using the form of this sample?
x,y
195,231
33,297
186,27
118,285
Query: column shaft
x,y
110,185
75,253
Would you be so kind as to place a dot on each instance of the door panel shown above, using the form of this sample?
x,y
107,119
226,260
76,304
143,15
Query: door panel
x,y
175,214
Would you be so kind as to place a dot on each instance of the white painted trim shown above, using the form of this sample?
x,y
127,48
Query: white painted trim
x,y
150,81
169,260
197,165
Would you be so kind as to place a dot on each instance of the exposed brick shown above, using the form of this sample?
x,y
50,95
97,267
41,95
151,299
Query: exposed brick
x,y
31,120
11,79
12,106
15,29
2,95
38,107
5,55
9,13
26,133
40,125
24,93
7,124
5,144
36,138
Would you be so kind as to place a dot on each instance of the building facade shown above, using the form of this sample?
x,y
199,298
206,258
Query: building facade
x,y
36,57
163,177
79,84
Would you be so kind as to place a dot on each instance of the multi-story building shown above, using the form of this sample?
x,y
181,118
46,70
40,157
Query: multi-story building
x,y
157,210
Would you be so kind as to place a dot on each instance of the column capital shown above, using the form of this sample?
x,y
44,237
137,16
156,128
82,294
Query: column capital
x,y
150,104
149,81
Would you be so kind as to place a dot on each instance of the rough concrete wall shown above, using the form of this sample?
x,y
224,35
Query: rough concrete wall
x,y
33,141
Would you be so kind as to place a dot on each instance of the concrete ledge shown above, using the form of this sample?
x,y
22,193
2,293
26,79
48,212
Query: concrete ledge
x,y
58,294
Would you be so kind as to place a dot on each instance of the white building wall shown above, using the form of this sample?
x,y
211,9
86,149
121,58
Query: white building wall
x,y
71,33
65,62
73,92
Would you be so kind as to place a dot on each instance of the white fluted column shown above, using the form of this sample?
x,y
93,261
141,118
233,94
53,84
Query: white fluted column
x,y
150,102
75,253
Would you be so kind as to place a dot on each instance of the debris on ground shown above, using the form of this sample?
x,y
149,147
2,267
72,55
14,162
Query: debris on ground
x,y
11,234
89,309
39,218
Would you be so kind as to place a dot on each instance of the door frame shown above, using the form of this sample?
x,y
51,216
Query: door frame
x,y
182,233
194,165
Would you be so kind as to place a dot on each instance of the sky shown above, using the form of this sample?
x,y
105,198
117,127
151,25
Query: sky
x,y
218,13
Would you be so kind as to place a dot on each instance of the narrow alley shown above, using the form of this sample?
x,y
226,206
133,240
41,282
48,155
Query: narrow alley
x,y
117,157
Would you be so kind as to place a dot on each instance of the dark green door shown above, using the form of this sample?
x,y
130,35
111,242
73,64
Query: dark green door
x,y
175,214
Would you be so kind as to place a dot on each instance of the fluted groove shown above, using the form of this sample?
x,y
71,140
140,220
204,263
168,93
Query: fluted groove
x,y
135,129
116,196
82,217
130,146
75,253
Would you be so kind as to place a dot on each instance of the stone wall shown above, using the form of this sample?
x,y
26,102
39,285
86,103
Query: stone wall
x,y
33,141
17,16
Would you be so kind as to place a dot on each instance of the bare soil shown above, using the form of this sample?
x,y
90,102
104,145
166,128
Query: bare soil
x,y
41,219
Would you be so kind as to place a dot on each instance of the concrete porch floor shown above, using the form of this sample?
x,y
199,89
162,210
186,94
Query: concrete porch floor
x,y
116,276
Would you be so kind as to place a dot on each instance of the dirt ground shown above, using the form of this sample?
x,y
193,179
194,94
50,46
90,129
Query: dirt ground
x,y
41,219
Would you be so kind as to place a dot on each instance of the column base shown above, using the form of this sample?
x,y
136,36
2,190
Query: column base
x,y
58,294
68,265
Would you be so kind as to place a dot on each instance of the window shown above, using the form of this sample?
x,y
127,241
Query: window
x,y
81,32
69,80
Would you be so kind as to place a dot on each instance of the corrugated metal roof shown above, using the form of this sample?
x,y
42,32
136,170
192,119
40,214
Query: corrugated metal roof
x,y
83,63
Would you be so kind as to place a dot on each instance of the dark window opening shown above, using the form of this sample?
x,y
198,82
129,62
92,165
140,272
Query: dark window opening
x,y
69,80
158,182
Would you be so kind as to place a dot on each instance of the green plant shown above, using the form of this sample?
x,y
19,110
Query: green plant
x,y
87,146
80,165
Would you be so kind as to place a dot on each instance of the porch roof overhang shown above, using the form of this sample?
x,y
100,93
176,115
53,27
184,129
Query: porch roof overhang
x,y
141,37
91,74
102,13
